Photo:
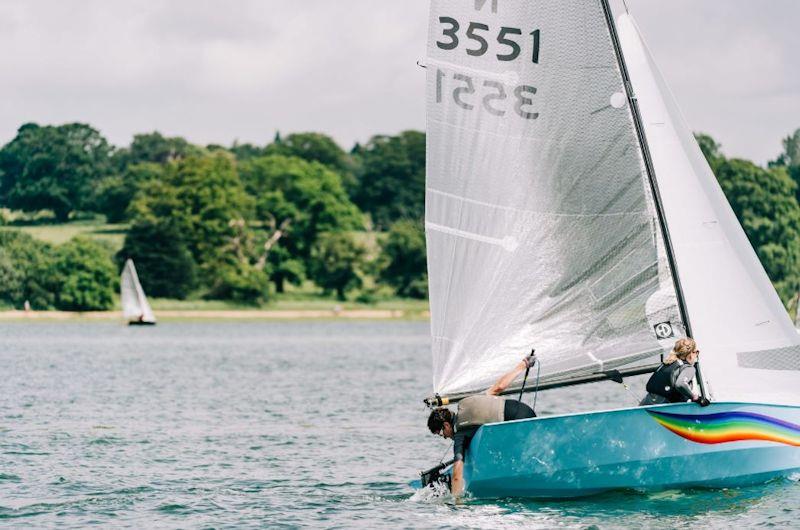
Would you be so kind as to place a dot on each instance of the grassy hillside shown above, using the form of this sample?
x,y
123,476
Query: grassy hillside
x,y
307,297
112,234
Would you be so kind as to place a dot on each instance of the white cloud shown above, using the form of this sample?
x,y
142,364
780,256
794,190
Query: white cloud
x,y
216,71
732,65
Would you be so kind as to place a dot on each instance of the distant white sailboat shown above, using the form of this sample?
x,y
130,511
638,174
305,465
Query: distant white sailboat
x,y
135,308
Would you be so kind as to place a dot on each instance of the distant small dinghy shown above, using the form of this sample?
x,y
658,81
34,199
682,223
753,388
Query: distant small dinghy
x,y
135,308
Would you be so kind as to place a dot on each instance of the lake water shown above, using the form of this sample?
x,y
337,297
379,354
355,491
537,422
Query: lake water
x,y
248,425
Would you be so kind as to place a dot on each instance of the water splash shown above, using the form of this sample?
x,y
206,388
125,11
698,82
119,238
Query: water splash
x,y
437,493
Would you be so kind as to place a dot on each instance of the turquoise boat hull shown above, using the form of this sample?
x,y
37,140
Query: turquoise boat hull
x,y
662,447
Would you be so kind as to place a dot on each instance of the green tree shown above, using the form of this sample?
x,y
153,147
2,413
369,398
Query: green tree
x,y
115,193
336,263
53,167
86,276
790,158
297,200
711,150
309,194
155,148
140,162
244,277
26,271
246,151
402,263
164,264
10,279
205,200
791,150
210,148
317,147
765,204
312,147
283,268
391,182
241,283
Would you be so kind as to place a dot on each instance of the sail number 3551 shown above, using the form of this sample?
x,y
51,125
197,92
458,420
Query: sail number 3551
x,y
492,95
477,33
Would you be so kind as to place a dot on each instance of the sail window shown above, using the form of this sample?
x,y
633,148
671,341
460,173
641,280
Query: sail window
x,y
775,359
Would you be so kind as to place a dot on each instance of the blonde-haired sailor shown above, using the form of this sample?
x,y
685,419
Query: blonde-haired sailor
x,y
673,382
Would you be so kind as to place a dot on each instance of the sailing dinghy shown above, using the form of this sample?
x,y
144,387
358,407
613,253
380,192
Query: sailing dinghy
x,y
135,308
569,208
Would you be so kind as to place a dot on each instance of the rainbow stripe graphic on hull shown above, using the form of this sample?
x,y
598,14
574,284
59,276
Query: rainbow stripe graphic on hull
x,y
723,427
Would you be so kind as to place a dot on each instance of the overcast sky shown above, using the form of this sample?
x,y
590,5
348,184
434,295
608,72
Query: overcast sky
x,y
216,71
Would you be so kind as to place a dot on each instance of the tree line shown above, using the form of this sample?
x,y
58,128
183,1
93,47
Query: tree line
x,y
242,222
765,200
232,223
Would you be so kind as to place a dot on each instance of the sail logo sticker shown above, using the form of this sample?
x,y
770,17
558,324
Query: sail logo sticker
x,y
734,426
664,330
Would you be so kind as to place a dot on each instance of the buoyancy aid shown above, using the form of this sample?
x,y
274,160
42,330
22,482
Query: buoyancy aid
x,y
662,382
474,411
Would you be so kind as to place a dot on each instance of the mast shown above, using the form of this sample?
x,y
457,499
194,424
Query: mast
x,y
648,162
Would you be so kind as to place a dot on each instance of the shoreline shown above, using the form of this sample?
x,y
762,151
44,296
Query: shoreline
x,y
225,314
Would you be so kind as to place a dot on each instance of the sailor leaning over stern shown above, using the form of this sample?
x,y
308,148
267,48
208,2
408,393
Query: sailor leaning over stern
x,y
473,412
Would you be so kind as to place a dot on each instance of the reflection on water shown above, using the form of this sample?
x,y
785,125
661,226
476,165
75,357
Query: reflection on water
x,y
272,424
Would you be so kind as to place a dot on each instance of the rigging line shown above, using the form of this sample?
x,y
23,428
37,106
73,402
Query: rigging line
x,y
449,447
525,379
536,388
630,392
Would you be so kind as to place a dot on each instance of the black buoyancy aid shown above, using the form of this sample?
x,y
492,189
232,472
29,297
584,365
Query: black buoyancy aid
x,y
662,382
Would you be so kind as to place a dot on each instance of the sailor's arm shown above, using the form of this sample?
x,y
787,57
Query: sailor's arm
x,y
683,383
457,478
507,379
457,484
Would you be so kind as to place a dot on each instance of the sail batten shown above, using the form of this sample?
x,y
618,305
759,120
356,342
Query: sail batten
x,y
535,212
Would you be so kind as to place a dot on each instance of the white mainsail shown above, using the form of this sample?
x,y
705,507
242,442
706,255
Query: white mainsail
x,y
540,218
750,349
135,307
